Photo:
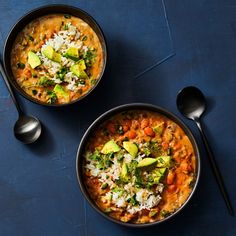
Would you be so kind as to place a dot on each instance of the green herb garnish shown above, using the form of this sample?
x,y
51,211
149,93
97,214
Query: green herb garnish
x,y
85,37
104,186
61,73
120,129
66,27
45,82
67,16
89,57
133,200
30,38
93,81
34,75
165,213
20,65
152,213
81,82
52,97
34,92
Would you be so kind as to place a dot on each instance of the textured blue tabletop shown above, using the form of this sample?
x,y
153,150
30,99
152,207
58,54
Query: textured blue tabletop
x,y
39,194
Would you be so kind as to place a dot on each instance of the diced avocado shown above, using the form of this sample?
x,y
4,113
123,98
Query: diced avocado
x,y
72,53
161,171
163,161
157,174
156,179
48,52
147,162
61,92
124,172
78,70
158,129
131,148
110,146
81,64
56,57
33,59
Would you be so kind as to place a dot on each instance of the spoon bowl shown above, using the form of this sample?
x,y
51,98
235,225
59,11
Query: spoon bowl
x,y
191,102
27,129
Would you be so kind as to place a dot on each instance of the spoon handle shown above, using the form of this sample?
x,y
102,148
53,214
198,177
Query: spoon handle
x,y
10,90
215,169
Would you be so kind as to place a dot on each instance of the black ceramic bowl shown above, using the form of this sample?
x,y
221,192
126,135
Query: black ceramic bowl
x,y
34,14
102,119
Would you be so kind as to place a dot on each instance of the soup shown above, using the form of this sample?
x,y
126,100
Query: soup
x,y
57,59
139,167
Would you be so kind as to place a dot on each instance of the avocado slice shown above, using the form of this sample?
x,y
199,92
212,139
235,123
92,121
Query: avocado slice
x,y
131,148
50,53
61,92
72,53
56,57
81,64
33,59
147,162
109,147
163,161
124,172
78,70
157,174
158,129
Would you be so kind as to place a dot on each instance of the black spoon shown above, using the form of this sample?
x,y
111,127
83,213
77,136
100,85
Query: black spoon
x,y
27,129
191,103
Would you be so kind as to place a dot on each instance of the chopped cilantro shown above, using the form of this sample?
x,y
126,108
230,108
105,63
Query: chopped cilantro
x,y
45,82
133,200
52,97
20,65
61,73
104,186
34,92
165,213
30,38
89,57
84,38
67,16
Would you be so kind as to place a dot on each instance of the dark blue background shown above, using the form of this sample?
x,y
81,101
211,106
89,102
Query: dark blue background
x,y
39,194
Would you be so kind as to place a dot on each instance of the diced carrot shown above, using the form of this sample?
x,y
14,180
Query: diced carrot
x,y
170,177
27,72
144,123
131,134
184,166
165,145
125,128
126,124
172,188
149,132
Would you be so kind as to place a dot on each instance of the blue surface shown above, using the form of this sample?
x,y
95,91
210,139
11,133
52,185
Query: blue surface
x,y
39,194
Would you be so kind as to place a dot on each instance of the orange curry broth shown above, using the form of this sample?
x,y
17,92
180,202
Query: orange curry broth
x,y
41,30
138,127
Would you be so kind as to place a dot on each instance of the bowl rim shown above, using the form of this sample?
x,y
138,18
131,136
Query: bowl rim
x,y
63,7
111,112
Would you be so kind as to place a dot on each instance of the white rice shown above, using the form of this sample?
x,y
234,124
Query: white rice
x,y
61,42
